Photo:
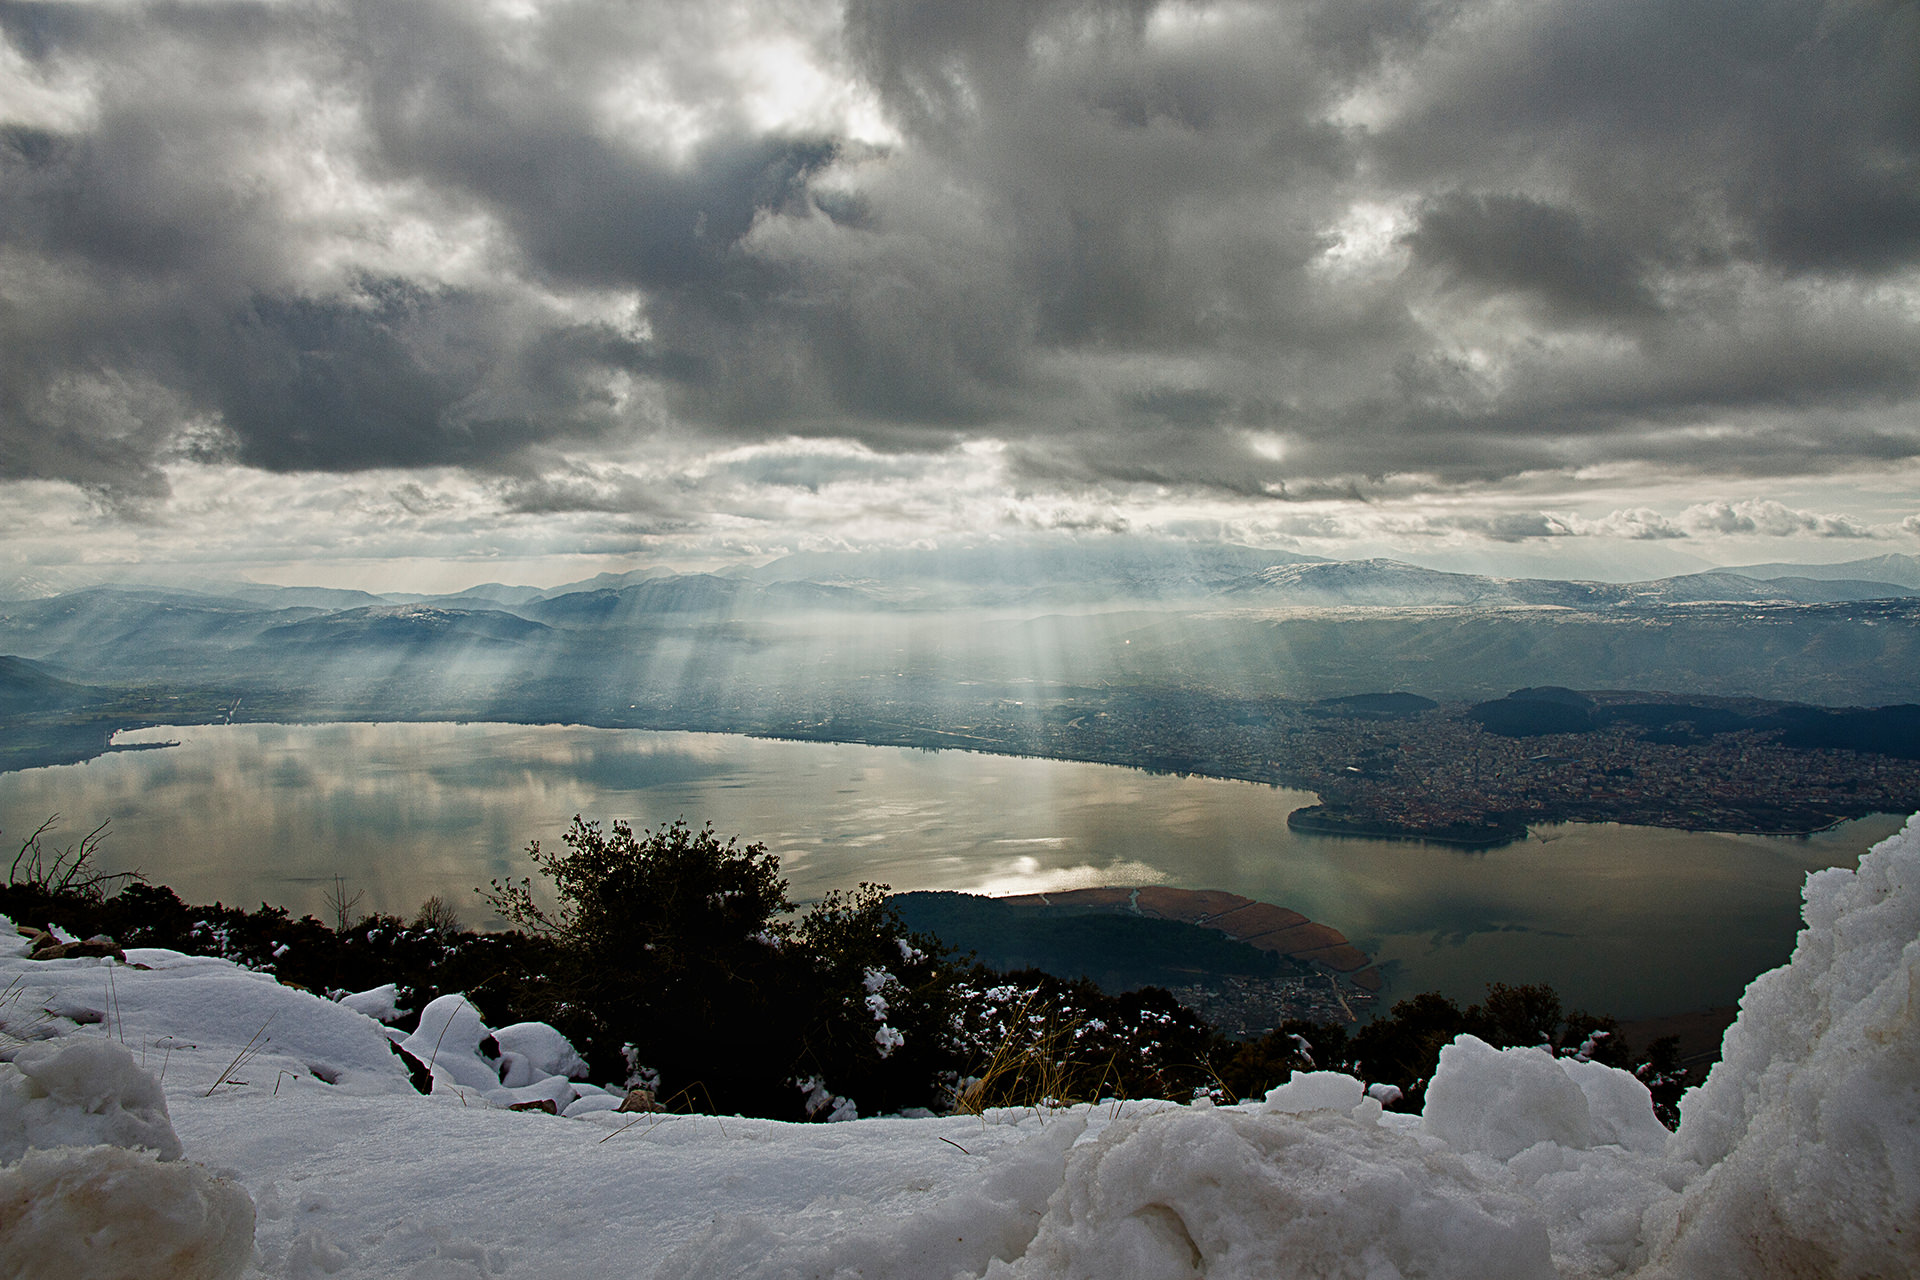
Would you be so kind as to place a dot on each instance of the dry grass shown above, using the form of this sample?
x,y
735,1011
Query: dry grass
x,y
1035,1067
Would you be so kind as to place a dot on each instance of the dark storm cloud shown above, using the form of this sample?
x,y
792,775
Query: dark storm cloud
x,y
1796,125
1274,250
504,124
1511,243
397,377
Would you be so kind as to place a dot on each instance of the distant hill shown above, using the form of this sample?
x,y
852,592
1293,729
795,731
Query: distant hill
x,y
1237,619
1795,589
1015,573
404,626
600,582
40,583
28,687
1888,731
1901,570
128,627
1525,713
274,597
1396,584
485,593
1116,952
697,593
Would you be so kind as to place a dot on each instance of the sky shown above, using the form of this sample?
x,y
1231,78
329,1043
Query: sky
x,y
412,296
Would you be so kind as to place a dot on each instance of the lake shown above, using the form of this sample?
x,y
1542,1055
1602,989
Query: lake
x,y
1634,921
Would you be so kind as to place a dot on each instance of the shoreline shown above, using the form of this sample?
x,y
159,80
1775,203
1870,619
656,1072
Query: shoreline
x,y
1317,819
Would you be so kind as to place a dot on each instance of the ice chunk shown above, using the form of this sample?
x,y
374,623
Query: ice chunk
x,y
1499,1102
80,1091
106,1213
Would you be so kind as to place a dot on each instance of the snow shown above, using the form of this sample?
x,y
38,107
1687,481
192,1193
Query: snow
x,y
155,1120
381,1003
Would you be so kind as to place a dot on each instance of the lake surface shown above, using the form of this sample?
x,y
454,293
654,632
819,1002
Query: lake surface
x,y
1629,920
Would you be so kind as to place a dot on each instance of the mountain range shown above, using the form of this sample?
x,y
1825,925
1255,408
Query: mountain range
x,y
948,624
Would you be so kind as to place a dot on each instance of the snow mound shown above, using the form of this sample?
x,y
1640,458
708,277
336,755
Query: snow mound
x,y
528,1062
1810,1124
1228,1194
81,1091
531,1051
91,1180
381,1003
448,1040
106,1213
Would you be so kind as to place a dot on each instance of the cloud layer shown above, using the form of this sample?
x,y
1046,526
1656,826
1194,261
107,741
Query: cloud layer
x,y
1281,251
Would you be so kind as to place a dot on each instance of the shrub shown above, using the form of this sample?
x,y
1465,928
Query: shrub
x,y
670,942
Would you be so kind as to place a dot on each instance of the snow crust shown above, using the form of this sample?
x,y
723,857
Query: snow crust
x,y
1800,1157
1239,1196
108,1213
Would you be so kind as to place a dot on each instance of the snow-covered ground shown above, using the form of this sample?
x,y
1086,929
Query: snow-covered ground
x,y
196,1119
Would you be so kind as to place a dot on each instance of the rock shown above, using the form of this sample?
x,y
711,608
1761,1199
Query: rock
x,y
101,946
537,1104
417,1072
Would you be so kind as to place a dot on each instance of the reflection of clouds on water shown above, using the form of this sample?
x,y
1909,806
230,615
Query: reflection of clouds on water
x,y
271,812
